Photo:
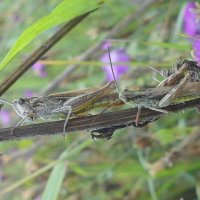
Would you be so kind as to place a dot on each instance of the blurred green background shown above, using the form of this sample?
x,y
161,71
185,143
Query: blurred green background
x,y
79,168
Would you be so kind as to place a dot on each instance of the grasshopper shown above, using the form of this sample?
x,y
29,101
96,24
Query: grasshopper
x,y
187,71
137,102
56,106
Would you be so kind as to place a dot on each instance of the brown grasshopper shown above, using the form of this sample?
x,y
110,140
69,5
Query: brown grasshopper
x,y
56,106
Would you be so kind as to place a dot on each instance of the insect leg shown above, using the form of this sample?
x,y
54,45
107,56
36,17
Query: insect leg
x,y
64,109
19,124
138,115
175,77
168,98
69,109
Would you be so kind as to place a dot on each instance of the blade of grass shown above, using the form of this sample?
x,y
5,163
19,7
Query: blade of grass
x,y
65,11
55,179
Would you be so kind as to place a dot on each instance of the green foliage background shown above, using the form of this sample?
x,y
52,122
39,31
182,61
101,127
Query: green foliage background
x,y
79,168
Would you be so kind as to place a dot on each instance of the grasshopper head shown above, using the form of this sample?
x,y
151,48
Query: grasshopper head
x,y
22,107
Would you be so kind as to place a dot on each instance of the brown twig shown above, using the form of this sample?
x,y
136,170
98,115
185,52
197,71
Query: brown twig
x,y
38,53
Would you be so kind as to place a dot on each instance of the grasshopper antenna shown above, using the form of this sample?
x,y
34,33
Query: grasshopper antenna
x,y
121,96
111,66
94,136
156,71
6,102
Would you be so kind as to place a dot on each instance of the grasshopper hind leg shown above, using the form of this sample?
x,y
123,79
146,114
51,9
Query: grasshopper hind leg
x,y
168,98
138,115
64,109
69,109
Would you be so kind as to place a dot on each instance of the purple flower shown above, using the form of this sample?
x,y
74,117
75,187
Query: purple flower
x,y
191,26
117,56
28,93
105,45
5,117
39,69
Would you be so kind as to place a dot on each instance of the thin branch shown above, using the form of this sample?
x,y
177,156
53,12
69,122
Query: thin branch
x,y
38,53
95,122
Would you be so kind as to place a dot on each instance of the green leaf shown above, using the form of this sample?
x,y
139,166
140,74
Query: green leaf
x,y
57,175
55,180
65,11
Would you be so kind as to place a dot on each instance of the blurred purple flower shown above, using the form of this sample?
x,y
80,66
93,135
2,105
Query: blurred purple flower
x,y
39,69
191,26
190,23
117,56
196,49
28,93
105,45
5,117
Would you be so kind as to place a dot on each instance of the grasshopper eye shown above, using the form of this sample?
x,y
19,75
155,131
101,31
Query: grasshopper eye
x,y
19,101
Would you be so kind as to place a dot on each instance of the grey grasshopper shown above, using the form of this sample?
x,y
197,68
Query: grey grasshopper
x,y
57,106
185,71
178,77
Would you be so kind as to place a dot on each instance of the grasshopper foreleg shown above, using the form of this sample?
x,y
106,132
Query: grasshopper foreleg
x,y
21,122
64,109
